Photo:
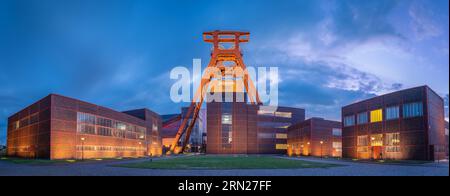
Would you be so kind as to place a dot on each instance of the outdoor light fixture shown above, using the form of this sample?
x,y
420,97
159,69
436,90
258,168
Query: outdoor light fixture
x,y
82,147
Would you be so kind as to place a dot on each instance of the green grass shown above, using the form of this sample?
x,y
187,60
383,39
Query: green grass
x,y
226,162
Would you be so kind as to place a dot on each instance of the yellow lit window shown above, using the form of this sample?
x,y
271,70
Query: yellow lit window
x,y
281,146
376,115
281,136
283,114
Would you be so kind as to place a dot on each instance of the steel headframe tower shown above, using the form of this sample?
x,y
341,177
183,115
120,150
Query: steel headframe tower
x,y
216,67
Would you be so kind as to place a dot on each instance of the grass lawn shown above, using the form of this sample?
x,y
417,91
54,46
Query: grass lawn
x,y
225,162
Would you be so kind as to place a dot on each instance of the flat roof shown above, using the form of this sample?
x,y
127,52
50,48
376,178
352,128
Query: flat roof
x,y
394,92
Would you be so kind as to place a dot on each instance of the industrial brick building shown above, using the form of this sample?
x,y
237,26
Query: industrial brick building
x,y
446,139
58,127
241,128
407,124
315,137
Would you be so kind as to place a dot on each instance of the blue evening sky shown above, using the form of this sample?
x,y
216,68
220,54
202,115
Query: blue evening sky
x,y
118,53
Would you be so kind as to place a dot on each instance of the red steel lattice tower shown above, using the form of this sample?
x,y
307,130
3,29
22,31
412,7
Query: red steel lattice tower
x,y
225,50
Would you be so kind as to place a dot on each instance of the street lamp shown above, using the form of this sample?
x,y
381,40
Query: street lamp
x,y
371,146
301,149
321,155
308,143
82,147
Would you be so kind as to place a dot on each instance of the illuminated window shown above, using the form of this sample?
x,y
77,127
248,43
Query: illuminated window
x,y
281,146
362,149
226,119
349,120
337,132
376,115
227,132
392,139
363,140
362,118
337,146
265,112
283,114
376,140
412,110
281,136
392,113
97,125
154,127
121,126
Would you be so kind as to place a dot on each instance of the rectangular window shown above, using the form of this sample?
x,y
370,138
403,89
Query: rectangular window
x,y
362,118
226,119
376,115
86,129
283,114
392,139
392,148
412,110
265,113
104,131
337,132
85,118
281,136
376,140
104,122
96,125
349,120
363,140
392,113
266,135
281,146
337,146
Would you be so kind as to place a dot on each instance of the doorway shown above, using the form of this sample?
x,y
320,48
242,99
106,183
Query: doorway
x,y
376,152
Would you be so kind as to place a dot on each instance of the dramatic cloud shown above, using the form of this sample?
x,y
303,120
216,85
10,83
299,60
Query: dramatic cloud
x,y
119,53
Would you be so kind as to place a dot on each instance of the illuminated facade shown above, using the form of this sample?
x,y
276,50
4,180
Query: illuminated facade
x,y
407,124
58,127
315,137
446,138
241,128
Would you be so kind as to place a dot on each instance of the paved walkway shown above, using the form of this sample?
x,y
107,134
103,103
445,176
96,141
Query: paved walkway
x,y
347,169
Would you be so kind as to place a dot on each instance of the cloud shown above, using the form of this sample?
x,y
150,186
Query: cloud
x,y
422,24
